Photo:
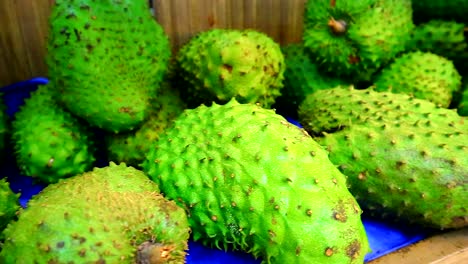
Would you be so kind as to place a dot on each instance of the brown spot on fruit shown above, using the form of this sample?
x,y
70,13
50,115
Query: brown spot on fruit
x,y
353,249
329,252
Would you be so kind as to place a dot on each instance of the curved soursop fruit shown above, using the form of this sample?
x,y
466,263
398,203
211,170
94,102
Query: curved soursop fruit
x,y
107,59
49,142
405,171
131,147
302,77
251,181
423,75
332,109
220,64
108,215
9,204
355,38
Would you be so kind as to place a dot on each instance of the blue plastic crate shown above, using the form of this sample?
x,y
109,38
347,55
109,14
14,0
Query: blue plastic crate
x,y
383,237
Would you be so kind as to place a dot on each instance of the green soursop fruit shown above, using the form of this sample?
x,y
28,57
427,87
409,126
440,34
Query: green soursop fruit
x,y
405,171
49,142
131,147
463,104
220,64
332,109
251,181
423,75
9,204
107,59
425,10
113,214
442,37
355,38
302,76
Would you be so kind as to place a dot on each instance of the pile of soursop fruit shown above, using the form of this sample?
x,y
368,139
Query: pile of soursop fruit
x,y
199,143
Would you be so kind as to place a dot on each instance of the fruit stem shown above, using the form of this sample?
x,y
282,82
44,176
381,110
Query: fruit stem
x,y
338,27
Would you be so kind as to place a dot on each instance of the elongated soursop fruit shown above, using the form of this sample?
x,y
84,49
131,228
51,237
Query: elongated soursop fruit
x,y
219,64
332,109
251,181
405,171
49,142
355,38
131,147
107,59
424,75
113,214
9,204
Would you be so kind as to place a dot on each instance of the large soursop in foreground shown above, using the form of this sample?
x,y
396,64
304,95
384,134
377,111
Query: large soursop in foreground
x,y
251,181
113,214
219,64
107,59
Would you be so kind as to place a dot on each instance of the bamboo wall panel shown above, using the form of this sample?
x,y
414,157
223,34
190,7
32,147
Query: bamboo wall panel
x,y
24,27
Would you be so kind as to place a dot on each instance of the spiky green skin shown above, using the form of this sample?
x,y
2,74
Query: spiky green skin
x,y
9,204
302,76
442,37
220,64
49,142
425,10
332,109
251,181
423,75
377,30
101,216
131,147
405,171
107,59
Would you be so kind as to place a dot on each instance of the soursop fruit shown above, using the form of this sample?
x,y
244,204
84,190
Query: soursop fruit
x,y
423,75
113,214
107,59
333,109
9,204
302,76
220,64
463,104
251,181
355,38
405,171
131,147
49,142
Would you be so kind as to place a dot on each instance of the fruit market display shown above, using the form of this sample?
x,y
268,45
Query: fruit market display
x,y
196,143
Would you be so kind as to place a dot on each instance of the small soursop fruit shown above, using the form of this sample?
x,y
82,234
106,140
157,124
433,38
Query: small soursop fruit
x,y
251,181
107,59
302,77
405,171
355,38
332,109
131,147
113,214
9,204
220,64
49,142
423,75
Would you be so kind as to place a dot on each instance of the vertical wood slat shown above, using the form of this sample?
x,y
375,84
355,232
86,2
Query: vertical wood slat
x,y
24,27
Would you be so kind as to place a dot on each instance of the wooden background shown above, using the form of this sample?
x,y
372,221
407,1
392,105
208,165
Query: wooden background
x,y
24,27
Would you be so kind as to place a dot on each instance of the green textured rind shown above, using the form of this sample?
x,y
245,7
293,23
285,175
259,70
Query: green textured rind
x,y
463,105
425,10
101,216
9,204
403,171
131,147
49,142
302,76
107,59
442,37
423,75
377,30
220,64
332,109
251,181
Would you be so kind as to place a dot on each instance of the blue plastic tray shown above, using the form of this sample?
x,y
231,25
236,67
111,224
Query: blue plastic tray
x,y
383,237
